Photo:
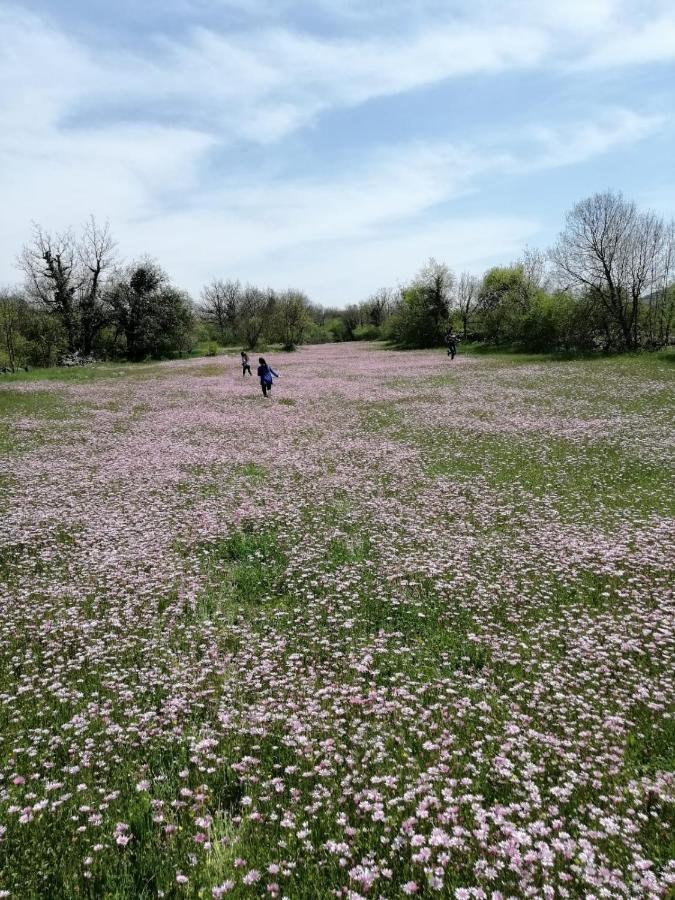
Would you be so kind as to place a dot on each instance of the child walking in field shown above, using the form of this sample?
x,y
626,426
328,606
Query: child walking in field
x,y
451,340
245,364
266,374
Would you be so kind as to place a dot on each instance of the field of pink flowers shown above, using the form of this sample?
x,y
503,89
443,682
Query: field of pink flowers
x,y
405,629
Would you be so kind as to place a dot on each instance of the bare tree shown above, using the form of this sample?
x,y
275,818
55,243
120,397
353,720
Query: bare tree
x,y
536,267
379,305
220,302
467,292
95,251
49,264
615,255
64,275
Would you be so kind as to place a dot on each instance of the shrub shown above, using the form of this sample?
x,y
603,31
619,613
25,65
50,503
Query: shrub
x,y
366,333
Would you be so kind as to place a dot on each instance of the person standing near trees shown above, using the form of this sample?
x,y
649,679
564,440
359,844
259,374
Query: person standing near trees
x,y
245,364
266,374
451,341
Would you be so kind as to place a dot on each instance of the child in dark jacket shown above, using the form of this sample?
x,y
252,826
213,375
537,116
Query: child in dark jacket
x,y
245,364
266,374
451,341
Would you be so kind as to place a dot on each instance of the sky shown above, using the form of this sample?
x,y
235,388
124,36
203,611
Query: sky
x,y
331,146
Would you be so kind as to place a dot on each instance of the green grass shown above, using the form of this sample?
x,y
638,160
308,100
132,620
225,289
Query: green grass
x,y
31,404
43,409
243,572
643,361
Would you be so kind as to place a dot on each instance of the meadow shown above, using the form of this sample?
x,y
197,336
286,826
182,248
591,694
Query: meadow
x,y
405,629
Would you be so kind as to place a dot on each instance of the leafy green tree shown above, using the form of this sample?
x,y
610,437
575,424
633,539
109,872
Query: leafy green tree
x,y
292,318
152,317
256,311
13,315
504,300
421,318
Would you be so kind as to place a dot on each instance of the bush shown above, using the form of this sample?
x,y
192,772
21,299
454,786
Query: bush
x,y
212,349
542,326
366,333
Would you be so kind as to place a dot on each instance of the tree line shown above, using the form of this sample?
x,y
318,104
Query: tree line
x,y
608,283
79,302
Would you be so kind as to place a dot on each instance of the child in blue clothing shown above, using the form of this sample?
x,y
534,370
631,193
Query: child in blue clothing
x,y
266,374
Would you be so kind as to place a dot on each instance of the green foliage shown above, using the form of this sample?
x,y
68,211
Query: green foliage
x,y
421,317
75,301
366,333
515,311
291,319
154,318
504,300
334,328
416,323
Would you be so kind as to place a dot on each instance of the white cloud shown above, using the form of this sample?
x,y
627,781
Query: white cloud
x,y
62,155
347,271
633,44
259,85
343,235
578,142
263,85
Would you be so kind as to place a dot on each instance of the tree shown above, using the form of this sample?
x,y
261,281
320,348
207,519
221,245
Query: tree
x,y
660,304
378,306
617,256
220,303
45,336
292,318
421,317
467,298
413,325
49,264
255,313
659,307
65,274
13,315
153,317
95,256
536,268
504,300
352,317
435,282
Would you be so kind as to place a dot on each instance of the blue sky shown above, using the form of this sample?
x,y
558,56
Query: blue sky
x,y
334,145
